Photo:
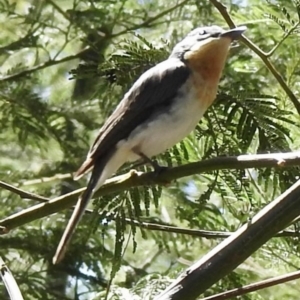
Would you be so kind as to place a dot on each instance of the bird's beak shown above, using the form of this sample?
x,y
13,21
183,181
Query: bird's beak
x,y
234,33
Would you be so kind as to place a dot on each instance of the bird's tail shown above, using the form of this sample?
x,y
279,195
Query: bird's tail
x,y
99,174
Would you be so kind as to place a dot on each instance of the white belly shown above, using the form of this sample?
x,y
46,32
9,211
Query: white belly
x,y
166,130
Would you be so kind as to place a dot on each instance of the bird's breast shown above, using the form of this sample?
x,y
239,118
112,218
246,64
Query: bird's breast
x,y
168,126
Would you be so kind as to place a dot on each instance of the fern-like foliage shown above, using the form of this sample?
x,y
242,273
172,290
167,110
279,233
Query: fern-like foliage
x,y
251,116
285,14
125,64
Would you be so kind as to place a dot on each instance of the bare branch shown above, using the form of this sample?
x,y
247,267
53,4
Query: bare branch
x,y
135,179
255,286
234,250
43,180
22,193
147,225
43,66
208,234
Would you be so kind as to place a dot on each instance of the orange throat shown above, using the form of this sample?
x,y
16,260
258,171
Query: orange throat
x,y
207,65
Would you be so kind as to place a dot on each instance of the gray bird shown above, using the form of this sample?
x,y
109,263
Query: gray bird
x,y
162,107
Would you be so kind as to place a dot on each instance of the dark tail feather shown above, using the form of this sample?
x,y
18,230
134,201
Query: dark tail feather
x,y
79,211
72,224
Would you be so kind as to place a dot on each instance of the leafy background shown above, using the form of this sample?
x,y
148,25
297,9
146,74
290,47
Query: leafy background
x,y
64,67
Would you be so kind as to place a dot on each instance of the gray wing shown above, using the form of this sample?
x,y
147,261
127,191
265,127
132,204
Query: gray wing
x,y
155,89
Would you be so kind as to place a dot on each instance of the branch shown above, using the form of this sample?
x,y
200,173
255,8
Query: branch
x,y
82,52
264,56
147,225
43,180
208,234
255,286
286,35
43,66
229,254
148,22
135,179
22,193
58,8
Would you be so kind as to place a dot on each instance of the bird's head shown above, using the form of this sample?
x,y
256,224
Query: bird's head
x,y
205,39
205,49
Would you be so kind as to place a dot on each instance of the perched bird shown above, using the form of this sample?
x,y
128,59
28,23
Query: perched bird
x,y
162,107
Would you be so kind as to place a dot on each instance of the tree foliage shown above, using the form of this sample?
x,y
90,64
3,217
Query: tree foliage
x,y
64,67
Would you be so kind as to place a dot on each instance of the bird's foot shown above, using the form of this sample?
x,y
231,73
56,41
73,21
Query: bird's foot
x,y
158,169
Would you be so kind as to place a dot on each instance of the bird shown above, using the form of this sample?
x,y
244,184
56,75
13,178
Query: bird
x,y
160,109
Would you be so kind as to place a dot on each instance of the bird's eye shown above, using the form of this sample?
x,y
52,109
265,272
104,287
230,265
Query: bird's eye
x,y
215,35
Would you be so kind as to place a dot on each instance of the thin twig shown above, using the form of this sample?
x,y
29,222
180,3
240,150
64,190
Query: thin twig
x,y
22,193
255,286
44,65
151,20
58,8
208,234
43,180
286,35
264,56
